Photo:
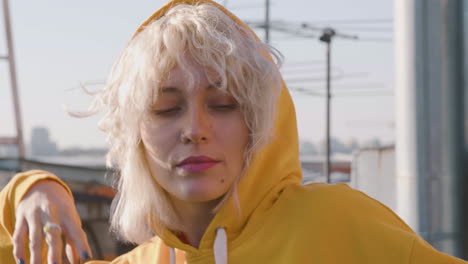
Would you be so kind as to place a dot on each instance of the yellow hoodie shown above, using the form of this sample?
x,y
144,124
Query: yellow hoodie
x,y
282,221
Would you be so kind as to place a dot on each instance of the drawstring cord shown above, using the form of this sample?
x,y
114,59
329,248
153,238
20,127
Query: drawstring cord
x,y
172,256
219,248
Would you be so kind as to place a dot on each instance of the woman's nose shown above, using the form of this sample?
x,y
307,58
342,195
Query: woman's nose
x,y
196,128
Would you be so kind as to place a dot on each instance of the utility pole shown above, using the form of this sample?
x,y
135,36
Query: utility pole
x,y
10,57
326,37
267,21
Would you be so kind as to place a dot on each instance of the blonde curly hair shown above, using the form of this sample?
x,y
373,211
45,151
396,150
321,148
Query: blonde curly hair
x,y
214,41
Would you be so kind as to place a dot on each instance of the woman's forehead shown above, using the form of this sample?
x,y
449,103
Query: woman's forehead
x,y
188,78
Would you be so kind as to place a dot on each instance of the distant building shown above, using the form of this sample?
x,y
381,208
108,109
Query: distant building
x,y
8,151
373,172
313,170
41,144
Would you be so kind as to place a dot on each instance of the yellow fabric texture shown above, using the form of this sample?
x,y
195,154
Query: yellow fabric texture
x,y
281,221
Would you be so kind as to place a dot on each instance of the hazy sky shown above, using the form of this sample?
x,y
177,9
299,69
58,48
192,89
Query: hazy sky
x,y
60,43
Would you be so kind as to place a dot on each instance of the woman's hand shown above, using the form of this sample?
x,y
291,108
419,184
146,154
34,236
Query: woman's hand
x,y
47,203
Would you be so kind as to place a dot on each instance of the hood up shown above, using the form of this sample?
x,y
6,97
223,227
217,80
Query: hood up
x,y
271,169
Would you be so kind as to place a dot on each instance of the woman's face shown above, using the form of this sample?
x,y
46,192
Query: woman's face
x,y
194,137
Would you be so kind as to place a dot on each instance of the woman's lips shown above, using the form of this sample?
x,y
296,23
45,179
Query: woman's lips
x,y
197,167
197,163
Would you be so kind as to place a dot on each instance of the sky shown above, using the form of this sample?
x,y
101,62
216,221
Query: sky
x,y
59,44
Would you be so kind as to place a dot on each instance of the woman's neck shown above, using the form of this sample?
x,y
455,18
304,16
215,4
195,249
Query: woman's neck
x,y
195,217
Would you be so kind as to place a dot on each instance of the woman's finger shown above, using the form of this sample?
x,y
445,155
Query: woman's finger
x,y
20,237
53,234
53,238
35,237
72,254
78,239
75,233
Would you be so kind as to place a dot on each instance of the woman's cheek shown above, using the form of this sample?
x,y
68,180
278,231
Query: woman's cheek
x,y
164,139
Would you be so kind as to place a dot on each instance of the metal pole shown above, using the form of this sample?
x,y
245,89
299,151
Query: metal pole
x,y
326,37
328,150
409,113
14,84
452,181
267,21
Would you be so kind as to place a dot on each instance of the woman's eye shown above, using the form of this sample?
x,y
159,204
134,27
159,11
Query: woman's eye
x,y
224,107
167,111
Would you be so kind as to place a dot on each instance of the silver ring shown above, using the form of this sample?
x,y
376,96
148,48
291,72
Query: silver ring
x,y
49,226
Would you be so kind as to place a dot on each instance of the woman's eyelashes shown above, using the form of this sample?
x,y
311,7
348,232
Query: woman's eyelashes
x,y
167,111
224,107
215,107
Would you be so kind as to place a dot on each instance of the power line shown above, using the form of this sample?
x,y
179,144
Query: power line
x,y
296,32
300,31
352,89
247,6
377,40
336,78
304,70
305,91
305,62
366,87
367,29
328,33
287,28
360,39
364,94
299,76
308,71
340,95
300,38
354,21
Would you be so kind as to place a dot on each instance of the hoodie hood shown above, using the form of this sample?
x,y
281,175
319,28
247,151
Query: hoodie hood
x,y
270,170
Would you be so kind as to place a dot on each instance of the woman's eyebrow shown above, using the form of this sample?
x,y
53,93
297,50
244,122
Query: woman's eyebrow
x,y
176,90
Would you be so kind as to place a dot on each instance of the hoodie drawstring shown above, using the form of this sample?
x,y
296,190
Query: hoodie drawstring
x,y
219,248
172,256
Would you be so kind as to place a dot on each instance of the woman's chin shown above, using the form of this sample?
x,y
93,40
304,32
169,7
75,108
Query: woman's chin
x,y
199,195
201,188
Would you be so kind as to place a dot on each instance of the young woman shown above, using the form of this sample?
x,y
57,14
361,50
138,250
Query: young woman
x,y
203,131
